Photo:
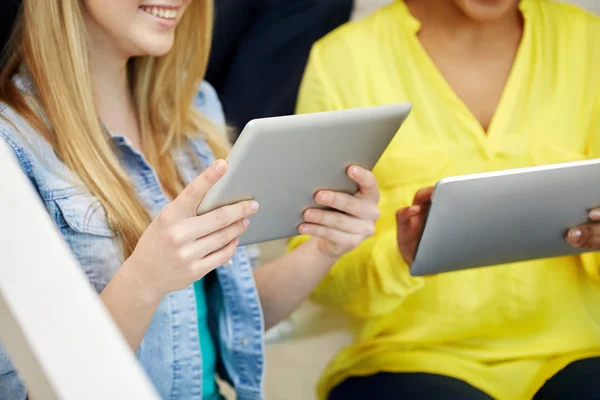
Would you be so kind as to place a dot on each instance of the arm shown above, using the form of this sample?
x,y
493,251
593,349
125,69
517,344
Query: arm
x,y
131,304
370,281
347,222
176,250
591,237
374,278
285,283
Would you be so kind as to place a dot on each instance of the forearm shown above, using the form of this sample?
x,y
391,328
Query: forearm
x,y
288,281
131,304
370,281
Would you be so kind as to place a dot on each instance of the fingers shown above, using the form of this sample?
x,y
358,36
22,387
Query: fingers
x,y
595,215
202,225
410,222
585,236
187,202
366,181
359,207
339,221
423,196
214,260
342,239
215,241
404,215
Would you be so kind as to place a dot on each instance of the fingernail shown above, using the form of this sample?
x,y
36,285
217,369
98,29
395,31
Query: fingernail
x,y
575,233
237,242
355,172
414,209
246,222
220,166
304,229
595,215
323,197
254,205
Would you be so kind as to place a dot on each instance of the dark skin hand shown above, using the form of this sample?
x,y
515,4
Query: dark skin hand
x,y
586,236
411,221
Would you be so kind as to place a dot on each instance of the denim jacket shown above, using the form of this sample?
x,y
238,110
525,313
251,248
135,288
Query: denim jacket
x,y
170,350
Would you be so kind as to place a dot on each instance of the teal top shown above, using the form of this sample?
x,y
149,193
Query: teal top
x,y
210,390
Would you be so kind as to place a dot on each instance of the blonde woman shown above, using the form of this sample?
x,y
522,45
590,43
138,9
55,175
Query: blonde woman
x,y
98,110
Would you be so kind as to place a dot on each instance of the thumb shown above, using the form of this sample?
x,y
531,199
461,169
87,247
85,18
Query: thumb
x,y
187,202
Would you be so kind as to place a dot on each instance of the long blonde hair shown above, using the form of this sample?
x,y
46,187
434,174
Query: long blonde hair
x,y
49,40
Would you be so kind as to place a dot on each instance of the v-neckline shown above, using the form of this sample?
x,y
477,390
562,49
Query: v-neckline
x,y
499,119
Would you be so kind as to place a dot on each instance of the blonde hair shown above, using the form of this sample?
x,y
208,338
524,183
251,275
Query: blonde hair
x,y
49,40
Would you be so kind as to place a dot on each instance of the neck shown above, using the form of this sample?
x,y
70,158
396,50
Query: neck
x,y
114,101
446,20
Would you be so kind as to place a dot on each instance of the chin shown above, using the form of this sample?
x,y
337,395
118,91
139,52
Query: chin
x,y
487,10
156,48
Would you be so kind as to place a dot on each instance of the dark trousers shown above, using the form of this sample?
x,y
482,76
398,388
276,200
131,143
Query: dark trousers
x,y
260,50
578,381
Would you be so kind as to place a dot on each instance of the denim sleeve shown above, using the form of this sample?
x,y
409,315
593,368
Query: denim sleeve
x,y
14,141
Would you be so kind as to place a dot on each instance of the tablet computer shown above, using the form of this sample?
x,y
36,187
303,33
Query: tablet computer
x,y
505,217
282,162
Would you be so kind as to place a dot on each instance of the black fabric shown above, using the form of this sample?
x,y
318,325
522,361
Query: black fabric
x,y
8,13
411,386
578,381
260,50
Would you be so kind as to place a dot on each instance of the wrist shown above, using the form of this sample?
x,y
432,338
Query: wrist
x,y
323,251
134,275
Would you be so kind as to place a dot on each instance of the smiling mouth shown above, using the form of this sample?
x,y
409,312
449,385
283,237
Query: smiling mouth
x,y
161,12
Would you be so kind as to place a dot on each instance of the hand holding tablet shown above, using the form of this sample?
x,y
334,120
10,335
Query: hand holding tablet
x,y
287,163
503,217
350,220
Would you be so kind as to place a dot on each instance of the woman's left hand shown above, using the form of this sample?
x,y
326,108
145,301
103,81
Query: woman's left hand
x,y
586,236
352,219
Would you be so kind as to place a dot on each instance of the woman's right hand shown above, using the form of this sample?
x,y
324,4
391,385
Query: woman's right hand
x,y
410,222
179,248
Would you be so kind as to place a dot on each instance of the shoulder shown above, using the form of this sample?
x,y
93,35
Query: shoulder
x,y
566,11
570,21
34,155
359,38
208,103
570,36
15,141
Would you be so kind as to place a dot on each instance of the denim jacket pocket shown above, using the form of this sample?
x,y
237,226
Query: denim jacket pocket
x,y
83,224
84,214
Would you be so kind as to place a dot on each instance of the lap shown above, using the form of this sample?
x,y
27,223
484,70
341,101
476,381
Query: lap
x,y
579,380
398,386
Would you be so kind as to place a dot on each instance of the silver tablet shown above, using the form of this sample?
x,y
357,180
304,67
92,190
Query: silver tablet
x,y
282,162
504,217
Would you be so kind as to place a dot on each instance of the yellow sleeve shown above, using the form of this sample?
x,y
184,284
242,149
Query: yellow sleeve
x,y
591,261
374,278
315,95
370,281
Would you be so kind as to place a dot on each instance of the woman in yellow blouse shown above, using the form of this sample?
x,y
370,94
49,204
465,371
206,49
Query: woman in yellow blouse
x,y
496,84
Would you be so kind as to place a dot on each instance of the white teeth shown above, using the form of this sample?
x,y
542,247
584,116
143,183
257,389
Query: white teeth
x,y
161,12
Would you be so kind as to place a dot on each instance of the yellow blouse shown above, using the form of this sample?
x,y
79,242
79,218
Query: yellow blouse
x,y
505,329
